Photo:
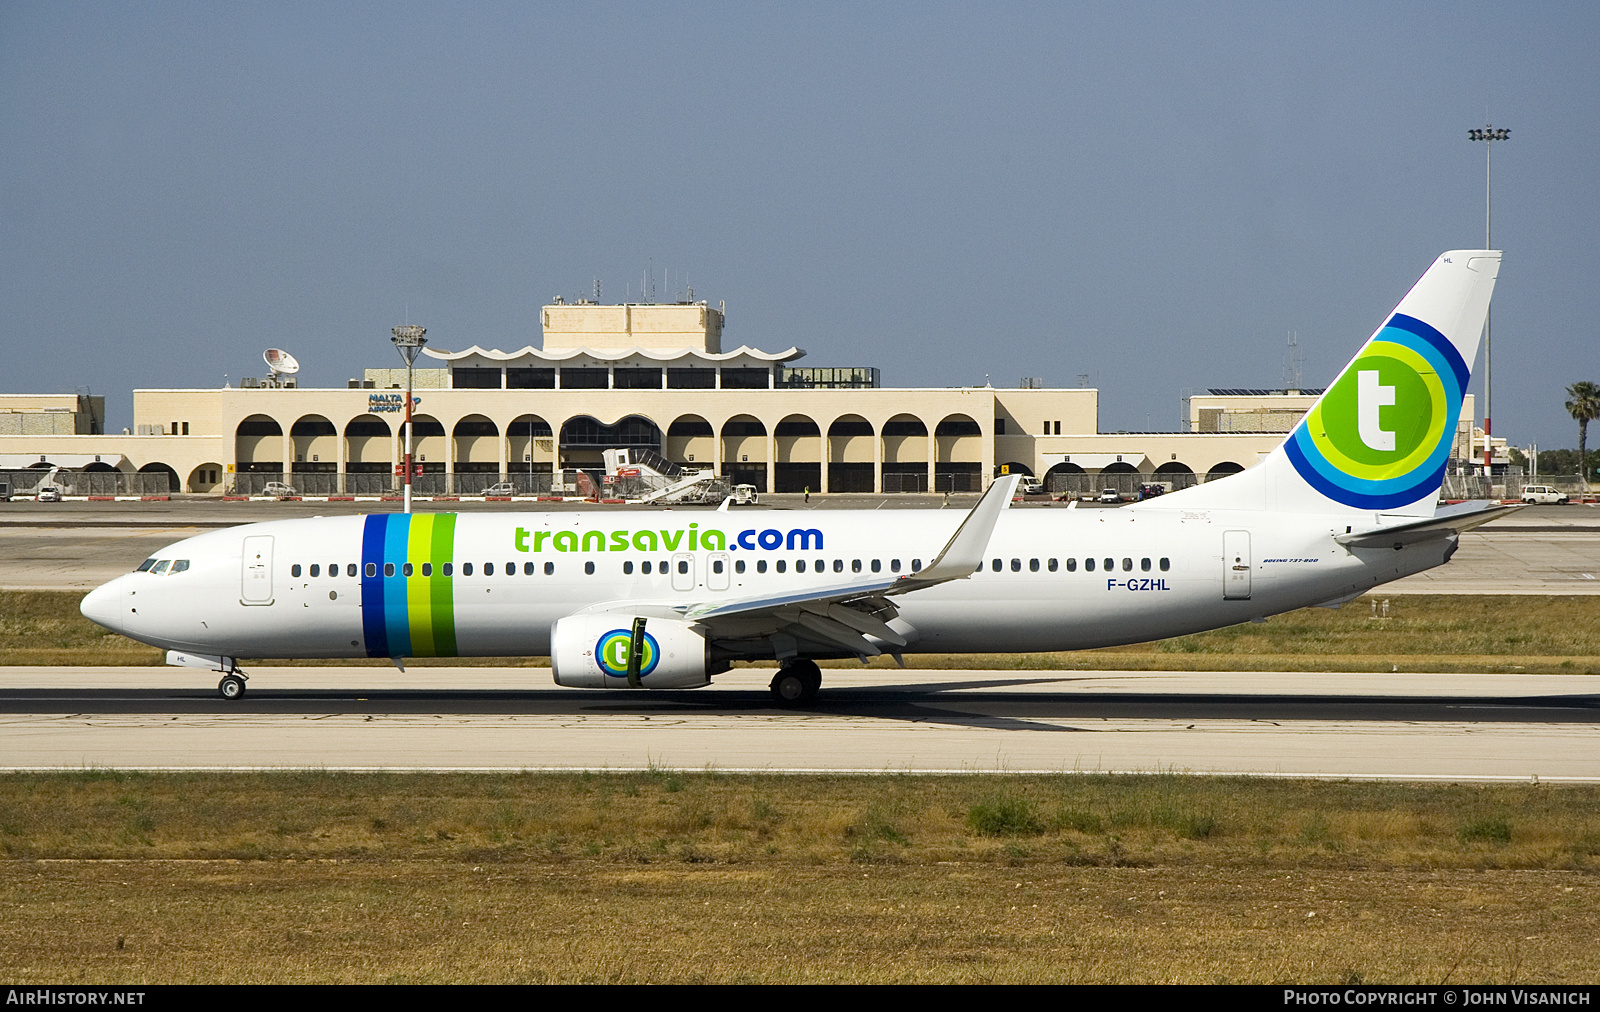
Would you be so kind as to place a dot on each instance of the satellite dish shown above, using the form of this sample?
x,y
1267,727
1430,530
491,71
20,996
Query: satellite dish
x,y
281,362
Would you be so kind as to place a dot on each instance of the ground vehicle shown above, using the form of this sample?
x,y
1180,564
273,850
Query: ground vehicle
x,y
1110,495
502,488
5,491
1544,494
278,488
745,495
1151,490
668,599
48,493
1029,485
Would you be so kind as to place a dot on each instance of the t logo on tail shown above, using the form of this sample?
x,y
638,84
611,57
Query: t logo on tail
x,y
1371,396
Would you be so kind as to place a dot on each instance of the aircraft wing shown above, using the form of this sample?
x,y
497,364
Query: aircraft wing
x,y
1450,520
842,616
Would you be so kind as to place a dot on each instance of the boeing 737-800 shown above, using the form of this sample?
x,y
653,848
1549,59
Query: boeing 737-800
x,y
668,599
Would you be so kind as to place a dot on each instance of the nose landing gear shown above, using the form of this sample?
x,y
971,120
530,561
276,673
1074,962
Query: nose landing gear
x,y
232,685
796,682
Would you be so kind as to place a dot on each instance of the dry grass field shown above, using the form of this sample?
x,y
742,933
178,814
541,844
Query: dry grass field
x,y
1419,633
665,876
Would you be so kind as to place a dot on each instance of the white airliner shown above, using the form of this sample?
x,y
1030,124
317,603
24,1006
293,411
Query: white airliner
x,y
668,599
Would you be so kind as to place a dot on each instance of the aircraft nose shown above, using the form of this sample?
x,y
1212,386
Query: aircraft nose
x,y
103,605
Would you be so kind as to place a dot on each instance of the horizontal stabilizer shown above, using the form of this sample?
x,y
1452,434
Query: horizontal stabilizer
x,y
1450,520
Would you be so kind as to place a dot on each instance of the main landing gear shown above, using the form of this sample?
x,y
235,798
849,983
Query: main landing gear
x,y
232,685
796,682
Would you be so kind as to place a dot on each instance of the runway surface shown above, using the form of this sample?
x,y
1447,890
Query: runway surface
x,y
1421,727
80,545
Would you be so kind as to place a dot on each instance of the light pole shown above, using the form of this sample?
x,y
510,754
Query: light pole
x,y
408,340
1488,134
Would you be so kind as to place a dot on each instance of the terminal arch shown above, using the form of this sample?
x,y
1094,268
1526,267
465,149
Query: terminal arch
x,y
258,444
477,445
798,441
691,442
427,443
1176,473
1013,467
906,454
1066,477
852,446
530,445
208,477
159,471
369,445
744,451
583,437
1222,469
316,444
958,467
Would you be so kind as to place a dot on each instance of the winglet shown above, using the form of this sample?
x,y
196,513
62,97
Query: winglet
x,y
964,553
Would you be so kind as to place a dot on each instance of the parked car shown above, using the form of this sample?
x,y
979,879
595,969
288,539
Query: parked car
x,y
1544,494
278,488
48,493
502,488
745,495
1029,485
1110,495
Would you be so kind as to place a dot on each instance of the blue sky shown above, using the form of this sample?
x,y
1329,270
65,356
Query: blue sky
x,y
1150,194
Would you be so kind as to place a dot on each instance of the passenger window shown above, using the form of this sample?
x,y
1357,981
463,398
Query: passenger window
x,y
800,565
644,567
1144,565
1127,565
916,565
662,568
782,565
448,569
1033,565
372,569
144,567
511,569
877,565
1088,565
427,569
588,568
316,570
894,565
822,565
738,567
996,565
333,569
1016,565
838,565
488,569
627,569
182,565
161,567
716,565
388,569
350,570
406,569
528,569
1166,564
683,566
466,569
761,565
1072,565
855,565
1051,565
1111,564
549,569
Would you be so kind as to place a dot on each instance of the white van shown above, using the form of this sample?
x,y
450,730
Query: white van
x,y
1544,494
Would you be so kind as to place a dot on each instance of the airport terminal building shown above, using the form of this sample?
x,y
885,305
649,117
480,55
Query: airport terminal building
x,y
633,375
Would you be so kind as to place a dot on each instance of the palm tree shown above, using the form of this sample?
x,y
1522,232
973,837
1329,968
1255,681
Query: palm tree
x,y
1584,405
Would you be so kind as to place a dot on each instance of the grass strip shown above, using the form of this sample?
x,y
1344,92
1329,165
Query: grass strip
x,y
1454,633
668,876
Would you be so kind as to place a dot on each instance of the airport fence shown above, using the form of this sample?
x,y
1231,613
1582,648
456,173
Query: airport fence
x,y
27,482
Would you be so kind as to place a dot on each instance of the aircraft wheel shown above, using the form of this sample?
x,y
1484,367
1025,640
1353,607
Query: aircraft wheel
x,y
796,683
231,687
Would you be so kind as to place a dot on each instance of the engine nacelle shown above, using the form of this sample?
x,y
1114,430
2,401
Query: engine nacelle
x,y
591,652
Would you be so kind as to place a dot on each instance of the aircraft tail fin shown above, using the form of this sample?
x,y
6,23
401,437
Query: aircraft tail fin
x,y
1379,437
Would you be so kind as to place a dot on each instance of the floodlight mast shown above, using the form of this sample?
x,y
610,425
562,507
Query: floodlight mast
x,y
1487,134
408,341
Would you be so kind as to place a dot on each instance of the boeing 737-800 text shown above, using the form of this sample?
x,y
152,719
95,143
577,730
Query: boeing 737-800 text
x,y
668,599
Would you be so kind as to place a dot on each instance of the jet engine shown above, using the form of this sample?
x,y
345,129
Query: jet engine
x,y
620,651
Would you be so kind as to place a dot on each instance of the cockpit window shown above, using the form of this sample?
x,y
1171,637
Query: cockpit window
x,y
180,566
145,565
160,567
